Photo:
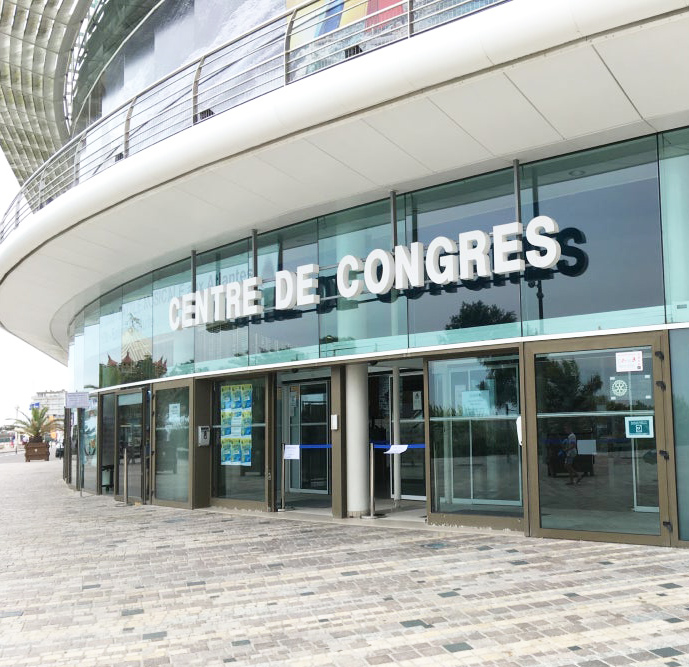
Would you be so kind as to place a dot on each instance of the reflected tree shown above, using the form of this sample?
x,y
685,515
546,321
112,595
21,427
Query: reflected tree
x,y
562,389
480,314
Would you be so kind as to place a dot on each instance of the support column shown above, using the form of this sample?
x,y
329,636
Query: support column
x,y
356,420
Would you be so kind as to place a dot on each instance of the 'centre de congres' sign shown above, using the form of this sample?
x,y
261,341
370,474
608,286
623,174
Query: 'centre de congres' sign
x,y
444,262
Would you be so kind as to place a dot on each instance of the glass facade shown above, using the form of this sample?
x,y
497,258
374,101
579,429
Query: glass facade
x,y
619,258
622,215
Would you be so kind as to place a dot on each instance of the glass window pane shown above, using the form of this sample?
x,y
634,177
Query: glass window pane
x,y
91,345
110,336
108,438
222,345
592,474
137,330
674,195
606,203
87,440
369,322
172,444
475,454
479,309
679,344
284,335
173,351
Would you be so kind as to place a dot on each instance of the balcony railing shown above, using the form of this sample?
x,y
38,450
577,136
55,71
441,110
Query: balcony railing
x,y
296,44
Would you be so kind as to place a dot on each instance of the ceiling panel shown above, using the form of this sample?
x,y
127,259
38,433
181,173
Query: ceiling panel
x,y
368,152
574,91
651,63
496,114
423,130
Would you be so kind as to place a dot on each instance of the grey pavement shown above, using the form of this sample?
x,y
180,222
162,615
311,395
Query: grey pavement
x,y
88,581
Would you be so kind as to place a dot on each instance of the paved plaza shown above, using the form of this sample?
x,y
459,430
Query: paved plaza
x,y
88,581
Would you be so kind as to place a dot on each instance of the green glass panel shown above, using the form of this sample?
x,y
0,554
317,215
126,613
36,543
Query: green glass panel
x,y
674,195
172,444
606,203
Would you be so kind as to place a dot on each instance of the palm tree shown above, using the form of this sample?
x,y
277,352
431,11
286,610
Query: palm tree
x,y
38,425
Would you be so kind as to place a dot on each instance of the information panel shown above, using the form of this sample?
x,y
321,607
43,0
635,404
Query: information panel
x,y
235,424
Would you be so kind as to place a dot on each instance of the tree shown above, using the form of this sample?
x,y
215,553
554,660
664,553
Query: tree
x,y
38,425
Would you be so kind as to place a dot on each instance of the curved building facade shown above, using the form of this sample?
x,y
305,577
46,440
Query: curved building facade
x,y
422,258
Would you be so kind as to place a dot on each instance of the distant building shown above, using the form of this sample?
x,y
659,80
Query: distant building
x,y
53,400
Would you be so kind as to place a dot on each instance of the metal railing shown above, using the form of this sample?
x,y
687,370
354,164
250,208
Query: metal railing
x,y
291,46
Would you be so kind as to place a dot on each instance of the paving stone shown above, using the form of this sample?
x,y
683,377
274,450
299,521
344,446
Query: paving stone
x,y
151,585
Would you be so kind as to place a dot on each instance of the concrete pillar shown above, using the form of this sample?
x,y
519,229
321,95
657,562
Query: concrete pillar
x,y
356,419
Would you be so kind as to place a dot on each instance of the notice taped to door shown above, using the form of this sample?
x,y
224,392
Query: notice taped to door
x,y
236,417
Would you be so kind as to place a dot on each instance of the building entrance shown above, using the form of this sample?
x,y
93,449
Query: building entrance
x,y
303,414
133,449
598,453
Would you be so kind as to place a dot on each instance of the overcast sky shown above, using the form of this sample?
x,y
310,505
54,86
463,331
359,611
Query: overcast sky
x,y
23,369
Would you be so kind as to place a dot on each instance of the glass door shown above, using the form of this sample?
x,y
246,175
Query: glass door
x,y
474,404
131,446
412,433
597,454
305,423
171,465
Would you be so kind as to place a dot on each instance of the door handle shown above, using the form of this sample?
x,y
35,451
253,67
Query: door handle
x,y
664,454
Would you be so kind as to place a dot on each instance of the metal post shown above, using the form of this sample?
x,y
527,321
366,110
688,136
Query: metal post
x,y
282,483
396,458
372,499
126,475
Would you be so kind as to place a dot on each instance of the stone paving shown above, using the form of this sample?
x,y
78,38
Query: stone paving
x,y
88,581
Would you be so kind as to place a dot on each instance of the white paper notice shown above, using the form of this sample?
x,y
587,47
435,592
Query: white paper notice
x,y
626,362
396,449
291,452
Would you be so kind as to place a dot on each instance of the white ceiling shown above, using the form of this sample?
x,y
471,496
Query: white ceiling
x,y
357,137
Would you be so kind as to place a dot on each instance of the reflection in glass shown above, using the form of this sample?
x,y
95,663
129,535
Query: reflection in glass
x,y
606,203
584,398
172,444
471,310
674,175
222,345
130,444
283,335
412,433
87,444
308,428
108,440
369,322
173,351
110,336
239,440
137,331
475,454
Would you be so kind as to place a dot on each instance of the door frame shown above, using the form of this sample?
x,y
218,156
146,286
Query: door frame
x,y
657,341
145,435
155,388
